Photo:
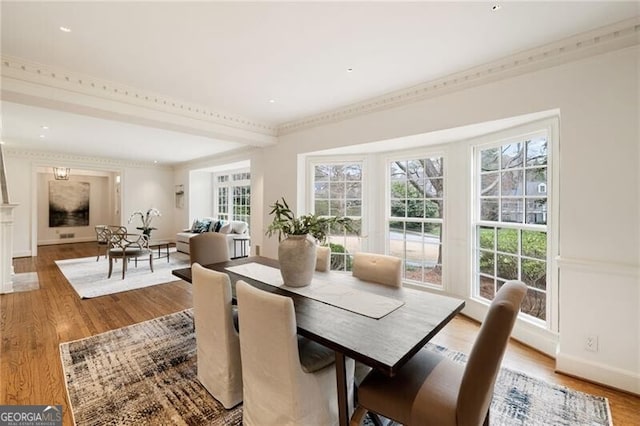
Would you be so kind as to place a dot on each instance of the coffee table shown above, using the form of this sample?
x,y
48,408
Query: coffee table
x,y
159,245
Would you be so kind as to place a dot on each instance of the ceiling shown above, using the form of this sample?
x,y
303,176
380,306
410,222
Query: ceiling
x,y
269,62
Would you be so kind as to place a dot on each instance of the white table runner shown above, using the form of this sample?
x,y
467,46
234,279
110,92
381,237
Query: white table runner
x,y
323,290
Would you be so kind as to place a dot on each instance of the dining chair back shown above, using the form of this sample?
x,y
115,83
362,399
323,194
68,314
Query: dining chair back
x,y
128,246
378,268
102,238
219,368
431,389
208,247
287,380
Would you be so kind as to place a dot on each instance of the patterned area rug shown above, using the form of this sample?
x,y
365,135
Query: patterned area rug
x,y
89,278
146,374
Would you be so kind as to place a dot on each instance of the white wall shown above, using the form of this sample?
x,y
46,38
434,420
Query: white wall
x,y
201,195
142,188
599,204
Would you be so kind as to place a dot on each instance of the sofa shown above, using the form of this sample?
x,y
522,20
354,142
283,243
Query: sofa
x,y
237,233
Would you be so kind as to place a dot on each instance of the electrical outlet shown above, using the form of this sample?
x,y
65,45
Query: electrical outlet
x,y
591,343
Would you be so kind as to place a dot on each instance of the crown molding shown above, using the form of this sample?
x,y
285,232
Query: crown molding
x,y
617,36
44,75
71,160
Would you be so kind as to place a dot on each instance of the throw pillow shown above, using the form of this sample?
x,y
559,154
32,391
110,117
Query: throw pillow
x,y
218,226
202,226
225,228
239,227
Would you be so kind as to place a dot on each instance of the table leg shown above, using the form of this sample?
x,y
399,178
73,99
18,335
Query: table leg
x,y
341,381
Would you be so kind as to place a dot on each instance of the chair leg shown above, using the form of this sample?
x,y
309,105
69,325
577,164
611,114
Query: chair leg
x,y
358,416
124,267
486,419
110,266
151,261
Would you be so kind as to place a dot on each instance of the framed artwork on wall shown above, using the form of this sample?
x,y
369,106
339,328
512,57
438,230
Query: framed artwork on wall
x,y
68,203
179,196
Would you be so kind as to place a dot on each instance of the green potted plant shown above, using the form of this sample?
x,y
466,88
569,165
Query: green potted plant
x,y
298,237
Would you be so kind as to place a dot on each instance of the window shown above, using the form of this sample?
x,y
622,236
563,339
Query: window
x,y
337,191
233,196
415,217
511,220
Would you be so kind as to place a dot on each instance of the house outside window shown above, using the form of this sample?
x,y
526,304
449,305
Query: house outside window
x,y
511,234
337,191
415,217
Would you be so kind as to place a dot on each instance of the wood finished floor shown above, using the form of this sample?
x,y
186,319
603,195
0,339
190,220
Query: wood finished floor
x,y
34,323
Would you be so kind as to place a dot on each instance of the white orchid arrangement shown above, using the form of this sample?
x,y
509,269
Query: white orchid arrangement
x,y
145,217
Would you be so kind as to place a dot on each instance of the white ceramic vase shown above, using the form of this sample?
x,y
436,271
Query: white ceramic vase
x,y
297,257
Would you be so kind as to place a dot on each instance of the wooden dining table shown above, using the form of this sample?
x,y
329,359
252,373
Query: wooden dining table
x,y
385,344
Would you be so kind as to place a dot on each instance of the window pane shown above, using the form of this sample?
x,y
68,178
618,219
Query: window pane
x,y
337,208
433,209
398,189
507,267
354,208
489,159
321,190
534,273
353,172
537,211
511,182
322,173
487,262
537,182
337,190
337,173
398,208
322,207
534,244
415,208
534,304
434,167
537,151
487,237
512,210
433,188
487,287
489,209
508,240
354,190
490,184
511,156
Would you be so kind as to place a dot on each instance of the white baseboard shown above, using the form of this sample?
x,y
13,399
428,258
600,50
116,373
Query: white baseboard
x,y
66,241
598,373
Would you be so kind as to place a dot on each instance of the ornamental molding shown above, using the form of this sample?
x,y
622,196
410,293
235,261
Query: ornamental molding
x,y
44,75
617,36
70,160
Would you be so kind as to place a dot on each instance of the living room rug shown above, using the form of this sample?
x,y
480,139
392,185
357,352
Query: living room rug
x,y
146,374
89,278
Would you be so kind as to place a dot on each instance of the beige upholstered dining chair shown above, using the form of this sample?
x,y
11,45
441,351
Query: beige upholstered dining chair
x,y
103,237
378,268
431,389
287,380
128,246
208,248
217,341
323,258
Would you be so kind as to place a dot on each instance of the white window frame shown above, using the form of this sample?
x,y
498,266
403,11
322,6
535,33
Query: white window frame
x,y
550,127
418,155
229,184
313,161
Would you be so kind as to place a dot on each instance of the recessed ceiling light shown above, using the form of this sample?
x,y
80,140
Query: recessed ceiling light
x,y
42,136
349,69
44,127
65,29
272,101
496,7
1,142
155,161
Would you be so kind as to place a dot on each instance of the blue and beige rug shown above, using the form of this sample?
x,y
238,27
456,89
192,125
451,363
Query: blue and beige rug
x,y
146,374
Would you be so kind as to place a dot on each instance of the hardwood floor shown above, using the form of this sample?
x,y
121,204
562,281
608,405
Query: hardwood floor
x,y
34,323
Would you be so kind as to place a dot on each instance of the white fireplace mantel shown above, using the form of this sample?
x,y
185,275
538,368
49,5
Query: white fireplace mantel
x,y
6,247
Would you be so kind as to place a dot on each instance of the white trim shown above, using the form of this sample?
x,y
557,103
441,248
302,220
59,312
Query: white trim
x,y
598,266
609,38
598,373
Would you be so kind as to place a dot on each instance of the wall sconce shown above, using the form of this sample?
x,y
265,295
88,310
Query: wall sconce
x,y
61,173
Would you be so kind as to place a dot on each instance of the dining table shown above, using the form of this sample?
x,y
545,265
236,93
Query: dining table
x,y
385,343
